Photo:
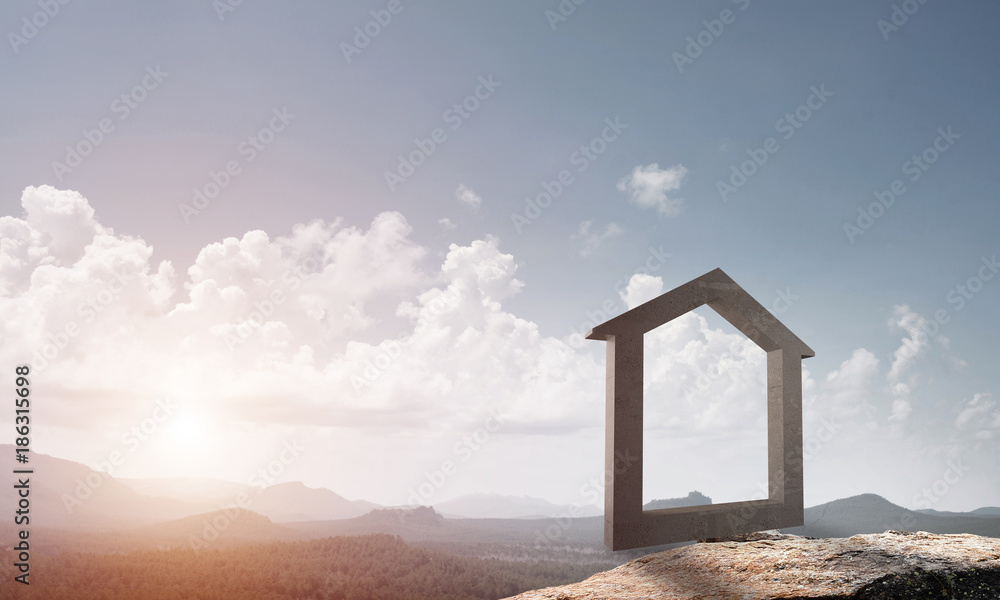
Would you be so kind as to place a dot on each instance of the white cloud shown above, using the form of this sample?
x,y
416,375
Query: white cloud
x,y
847,390
446,224
641,288
590,241
979,417
911,346
647,187
348,335
468,197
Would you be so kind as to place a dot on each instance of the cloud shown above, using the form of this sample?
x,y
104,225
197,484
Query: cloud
x,y
647,187
911,346
979,418
468,197
847,390
590,241
446,224
369,345
641,288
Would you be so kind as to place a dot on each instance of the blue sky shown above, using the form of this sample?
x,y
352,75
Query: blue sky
x,y
694,91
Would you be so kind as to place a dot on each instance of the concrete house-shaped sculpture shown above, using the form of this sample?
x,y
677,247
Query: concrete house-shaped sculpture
x,y
626,525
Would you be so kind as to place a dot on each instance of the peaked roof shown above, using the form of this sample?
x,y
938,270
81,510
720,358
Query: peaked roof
x,y
724,296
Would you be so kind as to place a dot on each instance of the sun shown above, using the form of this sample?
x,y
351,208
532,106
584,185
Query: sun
x,y
188,427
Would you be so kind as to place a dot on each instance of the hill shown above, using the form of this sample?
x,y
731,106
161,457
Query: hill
x,y
291,501
695,498
870,513
70,495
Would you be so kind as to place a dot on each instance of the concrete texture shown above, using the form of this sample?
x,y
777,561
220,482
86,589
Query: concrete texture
x,y
626,525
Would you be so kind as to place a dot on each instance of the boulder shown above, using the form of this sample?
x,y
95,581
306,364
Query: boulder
x,y
892,565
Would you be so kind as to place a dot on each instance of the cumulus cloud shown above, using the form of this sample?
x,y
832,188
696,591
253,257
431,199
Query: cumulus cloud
x,y
641,288
590,241
847,389
466,196
355,334
648,186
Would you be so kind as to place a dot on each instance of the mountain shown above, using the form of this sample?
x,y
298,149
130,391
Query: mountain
x,y
499,506
67,494
979,512
694,498
870,513
295,501
282,502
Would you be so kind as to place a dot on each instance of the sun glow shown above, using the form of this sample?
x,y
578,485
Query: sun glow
x,y
189,427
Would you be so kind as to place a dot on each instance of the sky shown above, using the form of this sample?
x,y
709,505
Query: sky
x,y
358,244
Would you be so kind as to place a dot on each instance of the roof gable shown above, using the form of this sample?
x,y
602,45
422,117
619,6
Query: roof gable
x,y
724,296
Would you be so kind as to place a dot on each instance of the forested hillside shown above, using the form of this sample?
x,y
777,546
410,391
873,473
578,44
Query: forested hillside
x,y
373,567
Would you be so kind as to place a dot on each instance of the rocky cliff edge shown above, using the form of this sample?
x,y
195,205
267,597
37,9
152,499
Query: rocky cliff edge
x,y
894,564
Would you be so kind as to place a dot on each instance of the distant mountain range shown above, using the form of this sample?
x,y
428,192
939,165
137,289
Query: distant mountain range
x,y
282,502
70,496
498,506
66,494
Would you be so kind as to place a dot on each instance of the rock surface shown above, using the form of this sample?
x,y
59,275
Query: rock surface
x,y
891,565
